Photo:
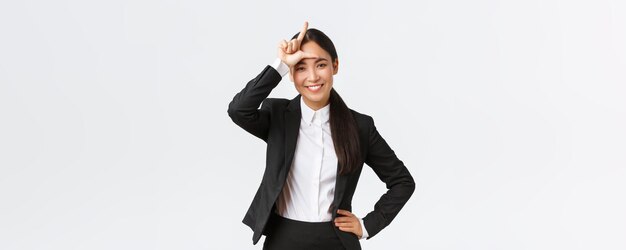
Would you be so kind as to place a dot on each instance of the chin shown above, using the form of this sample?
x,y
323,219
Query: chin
x,y
316,97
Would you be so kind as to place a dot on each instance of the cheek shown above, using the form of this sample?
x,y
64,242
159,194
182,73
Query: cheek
x,y
327,74
328,71
299,79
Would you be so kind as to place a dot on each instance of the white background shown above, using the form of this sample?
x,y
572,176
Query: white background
x,y
509,114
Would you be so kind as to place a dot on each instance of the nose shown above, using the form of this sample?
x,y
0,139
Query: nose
x,y
313,76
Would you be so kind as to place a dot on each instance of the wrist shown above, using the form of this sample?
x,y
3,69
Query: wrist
x,y
280,66
364,233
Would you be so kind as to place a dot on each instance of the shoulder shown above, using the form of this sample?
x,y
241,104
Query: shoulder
x,y
360,116
364,121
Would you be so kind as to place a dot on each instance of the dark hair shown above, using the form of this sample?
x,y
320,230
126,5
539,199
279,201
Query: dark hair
x,y
342,124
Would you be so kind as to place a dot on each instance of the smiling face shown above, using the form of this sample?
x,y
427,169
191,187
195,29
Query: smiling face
x,y
313,78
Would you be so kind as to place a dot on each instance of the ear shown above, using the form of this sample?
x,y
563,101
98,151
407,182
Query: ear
x,y
335,66
291,74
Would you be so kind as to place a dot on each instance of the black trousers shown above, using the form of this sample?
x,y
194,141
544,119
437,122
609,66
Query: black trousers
x,y
286,234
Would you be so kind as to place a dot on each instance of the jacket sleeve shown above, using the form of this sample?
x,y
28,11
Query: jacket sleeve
x,y
391,170
244,108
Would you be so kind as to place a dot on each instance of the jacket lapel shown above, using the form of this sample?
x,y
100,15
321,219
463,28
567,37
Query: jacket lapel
x,y
340,188
292,127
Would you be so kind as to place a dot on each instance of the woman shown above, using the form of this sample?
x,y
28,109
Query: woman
x,y
316,148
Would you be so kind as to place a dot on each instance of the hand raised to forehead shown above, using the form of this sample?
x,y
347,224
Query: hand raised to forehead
x,y
290,53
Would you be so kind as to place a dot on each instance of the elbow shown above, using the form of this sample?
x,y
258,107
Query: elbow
x,y
409,186
405,187
232,111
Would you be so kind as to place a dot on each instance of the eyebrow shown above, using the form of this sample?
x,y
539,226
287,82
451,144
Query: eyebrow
x,y
316,61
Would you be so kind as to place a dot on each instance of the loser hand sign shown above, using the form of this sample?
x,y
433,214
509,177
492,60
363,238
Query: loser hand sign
x,y
290,53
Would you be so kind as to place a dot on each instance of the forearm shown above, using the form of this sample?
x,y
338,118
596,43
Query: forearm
x,y
244,107
245,103
388,207
392,171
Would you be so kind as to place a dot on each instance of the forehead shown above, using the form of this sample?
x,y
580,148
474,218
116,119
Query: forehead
x,y
312,47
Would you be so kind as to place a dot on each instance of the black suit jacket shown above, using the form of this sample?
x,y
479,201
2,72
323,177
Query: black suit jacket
x,y
277,123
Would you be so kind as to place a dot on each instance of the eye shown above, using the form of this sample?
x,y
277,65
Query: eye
x,y
321,65
299,68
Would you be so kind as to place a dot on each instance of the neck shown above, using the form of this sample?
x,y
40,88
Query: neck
x,y
315,105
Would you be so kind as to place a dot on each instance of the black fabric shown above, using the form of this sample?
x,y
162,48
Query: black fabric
x,y
287,234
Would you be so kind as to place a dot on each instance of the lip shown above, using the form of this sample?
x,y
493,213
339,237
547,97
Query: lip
x,y
314,90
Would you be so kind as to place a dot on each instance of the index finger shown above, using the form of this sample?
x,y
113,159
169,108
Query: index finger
x,y
344,219
344,212
303,31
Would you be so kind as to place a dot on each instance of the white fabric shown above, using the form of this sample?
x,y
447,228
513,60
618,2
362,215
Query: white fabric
x,y
310,186
281,67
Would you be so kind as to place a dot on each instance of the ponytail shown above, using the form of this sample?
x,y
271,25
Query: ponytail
x,y
344,133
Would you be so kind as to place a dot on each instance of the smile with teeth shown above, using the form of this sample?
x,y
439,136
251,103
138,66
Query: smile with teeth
x,y
314,87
